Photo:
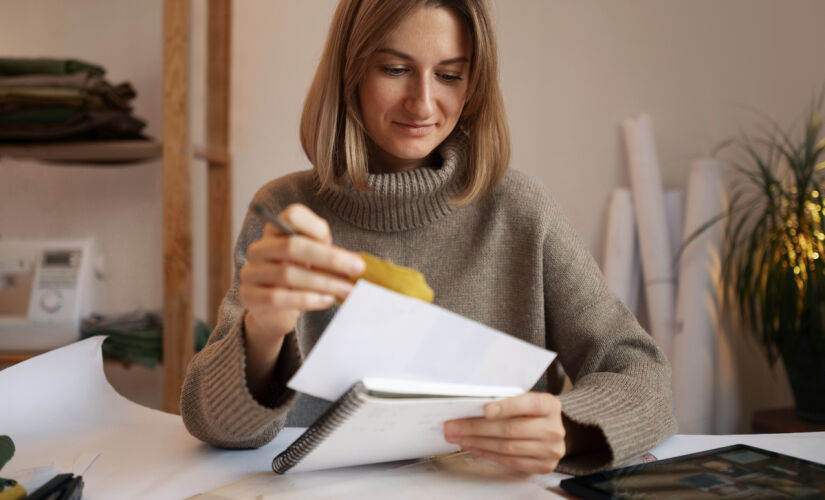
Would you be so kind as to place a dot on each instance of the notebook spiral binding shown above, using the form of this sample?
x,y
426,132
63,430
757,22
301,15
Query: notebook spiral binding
x,y
323,427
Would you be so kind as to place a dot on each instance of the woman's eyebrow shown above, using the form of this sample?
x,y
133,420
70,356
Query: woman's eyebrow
x,y
398,53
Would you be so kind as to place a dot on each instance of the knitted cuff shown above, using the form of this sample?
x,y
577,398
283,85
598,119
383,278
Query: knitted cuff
x,y
631,425
232,407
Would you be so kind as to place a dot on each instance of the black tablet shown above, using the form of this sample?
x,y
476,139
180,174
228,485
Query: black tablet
x,y
738,471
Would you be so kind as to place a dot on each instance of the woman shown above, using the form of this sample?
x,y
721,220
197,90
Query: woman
x,y
405,128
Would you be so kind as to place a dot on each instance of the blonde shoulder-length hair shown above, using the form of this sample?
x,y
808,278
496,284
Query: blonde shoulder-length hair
x,y
332,132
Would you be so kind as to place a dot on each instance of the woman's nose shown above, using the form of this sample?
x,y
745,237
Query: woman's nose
x,y
419,101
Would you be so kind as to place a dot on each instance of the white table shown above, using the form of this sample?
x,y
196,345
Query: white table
x,y
62,412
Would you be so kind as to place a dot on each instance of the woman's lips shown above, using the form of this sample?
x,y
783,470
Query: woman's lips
x,y
415,130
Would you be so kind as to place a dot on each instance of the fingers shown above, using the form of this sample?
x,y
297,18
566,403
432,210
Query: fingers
x,y
263,298
532,403
513,428
305,221
294,277
524,432
312,246
512,447
529,465
301,249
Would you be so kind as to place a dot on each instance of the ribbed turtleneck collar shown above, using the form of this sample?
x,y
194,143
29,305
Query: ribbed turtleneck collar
x,y
404,200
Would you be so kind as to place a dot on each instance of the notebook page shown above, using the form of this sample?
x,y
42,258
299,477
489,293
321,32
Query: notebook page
x,y
380,333
383,430
417,387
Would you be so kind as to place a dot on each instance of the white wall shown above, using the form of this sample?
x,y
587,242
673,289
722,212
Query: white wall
x,y
571,71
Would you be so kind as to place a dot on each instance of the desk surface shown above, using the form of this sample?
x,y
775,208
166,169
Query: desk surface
x,y
66,413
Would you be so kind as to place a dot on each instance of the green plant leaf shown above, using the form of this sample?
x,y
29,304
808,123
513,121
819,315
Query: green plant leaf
x,y
6,450
772,262
695,234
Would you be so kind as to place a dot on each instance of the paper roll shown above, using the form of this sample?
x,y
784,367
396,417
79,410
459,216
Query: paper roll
x,y
726,407
695,371
622,263
675,215
651,220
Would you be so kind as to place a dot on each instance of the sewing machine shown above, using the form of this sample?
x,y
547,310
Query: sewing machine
x,y
46,288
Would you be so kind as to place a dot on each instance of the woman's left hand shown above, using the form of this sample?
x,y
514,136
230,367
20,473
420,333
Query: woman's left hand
x,y
524,432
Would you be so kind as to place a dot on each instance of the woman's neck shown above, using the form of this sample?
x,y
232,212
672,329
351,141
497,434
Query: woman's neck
x,y
381,162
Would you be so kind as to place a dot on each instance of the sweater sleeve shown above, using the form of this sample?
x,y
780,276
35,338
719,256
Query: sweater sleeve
x,y
621,379
216,404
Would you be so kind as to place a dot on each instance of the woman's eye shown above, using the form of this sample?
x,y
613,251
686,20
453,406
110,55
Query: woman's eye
x,y
394,71
449,78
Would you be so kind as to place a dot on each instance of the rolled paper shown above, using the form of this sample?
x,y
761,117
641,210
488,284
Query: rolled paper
x,y
695,371
404,280
622,265
651,221
675,214
726,406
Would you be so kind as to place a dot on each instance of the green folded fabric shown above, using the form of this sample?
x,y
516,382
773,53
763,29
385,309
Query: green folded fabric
x,y
90,124
75,98
46,66
136,336
39,116
117,96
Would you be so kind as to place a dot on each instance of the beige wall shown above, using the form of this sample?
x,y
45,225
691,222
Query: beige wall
x,y
571,71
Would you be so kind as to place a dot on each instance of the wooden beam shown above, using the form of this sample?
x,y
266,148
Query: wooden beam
x,y
219,200
178,324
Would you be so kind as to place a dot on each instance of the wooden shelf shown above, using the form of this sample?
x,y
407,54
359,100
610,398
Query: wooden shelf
x,y
178,341
108,152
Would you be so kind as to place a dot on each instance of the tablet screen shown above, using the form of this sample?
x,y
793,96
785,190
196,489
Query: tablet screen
x,y
738,471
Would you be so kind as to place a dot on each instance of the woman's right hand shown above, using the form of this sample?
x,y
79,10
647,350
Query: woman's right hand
x,y
287,274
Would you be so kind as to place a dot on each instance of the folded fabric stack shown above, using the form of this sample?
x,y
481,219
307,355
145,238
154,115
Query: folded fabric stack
x,y
63,99
135,336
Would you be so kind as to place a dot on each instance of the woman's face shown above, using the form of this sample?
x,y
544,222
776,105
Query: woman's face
x,y
415,88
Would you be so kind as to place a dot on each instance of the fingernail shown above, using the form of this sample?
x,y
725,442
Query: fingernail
x,y
357,266
492,410
451,429
326,299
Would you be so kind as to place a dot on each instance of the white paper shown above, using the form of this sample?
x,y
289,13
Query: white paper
x,y
622,263
651,220
701,367
61,412
622,258
380,333
149,454
390,429
675,214
461,477
417,387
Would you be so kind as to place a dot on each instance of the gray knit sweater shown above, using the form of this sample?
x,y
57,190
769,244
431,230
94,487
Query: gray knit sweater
x,y
511,261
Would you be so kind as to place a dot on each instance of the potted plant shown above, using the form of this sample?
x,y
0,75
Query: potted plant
x,y
773,251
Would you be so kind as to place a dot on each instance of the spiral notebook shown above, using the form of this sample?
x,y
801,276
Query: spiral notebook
x,y
434,365
383,420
